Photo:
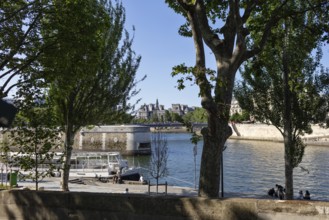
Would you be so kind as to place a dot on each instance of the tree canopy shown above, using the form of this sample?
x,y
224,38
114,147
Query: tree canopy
x,y
20,41
279,85
90,68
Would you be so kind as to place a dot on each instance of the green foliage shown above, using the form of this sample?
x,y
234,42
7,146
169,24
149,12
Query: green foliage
x,y
89,67
322,83
262,92
175,117
195,138
97,74
33,140
20,42
236,117
199,115
190,73
168,116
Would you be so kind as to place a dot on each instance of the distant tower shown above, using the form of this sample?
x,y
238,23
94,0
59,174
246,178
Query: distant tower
x,y
157,105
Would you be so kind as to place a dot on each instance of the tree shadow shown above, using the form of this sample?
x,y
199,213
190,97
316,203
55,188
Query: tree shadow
x,y
29,204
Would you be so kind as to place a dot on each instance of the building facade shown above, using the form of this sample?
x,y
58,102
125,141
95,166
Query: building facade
x,y
157,111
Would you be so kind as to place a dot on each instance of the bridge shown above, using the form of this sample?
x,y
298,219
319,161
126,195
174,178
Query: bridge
x,y
195,126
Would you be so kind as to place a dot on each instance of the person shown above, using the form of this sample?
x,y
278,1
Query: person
x,y
280,191
115,179
307,195
119,177
271,192
126,191
301,196
141,179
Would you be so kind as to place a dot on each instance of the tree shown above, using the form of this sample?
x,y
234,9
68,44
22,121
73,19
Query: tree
x,y
175,117
159,157
91,68
322,83
34,138
279,86
20,41
199,115
236,117
231,44
168,116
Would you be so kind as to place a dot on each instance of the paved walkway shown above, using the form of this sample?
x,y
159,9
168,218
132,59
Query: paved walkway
x,y
94,185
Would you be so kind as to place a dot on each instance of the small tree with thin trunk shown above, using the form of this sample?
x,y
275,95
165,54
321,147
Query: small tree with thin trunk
x,y
279,87
90,69
33,139
159,157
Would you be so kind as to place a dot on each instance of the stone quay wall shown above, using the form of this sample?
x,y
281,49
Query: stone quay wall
x,y
271,133
28,204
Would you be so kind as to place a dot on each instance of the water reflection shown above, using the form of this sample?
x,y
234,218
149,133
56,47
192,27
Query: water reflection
x,y
250,167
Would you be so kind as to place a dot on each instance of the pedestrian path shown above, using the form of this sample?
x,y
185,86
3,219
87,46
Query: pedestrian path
x,y
94,185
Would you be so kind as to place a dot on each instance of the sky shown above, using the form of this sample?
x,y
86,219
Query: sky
x,y
157,40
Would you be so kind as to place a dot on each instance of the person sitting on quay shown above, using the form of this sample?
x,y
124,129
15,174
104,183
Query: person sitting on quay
x,y
301,196
280,191
271,192
307,195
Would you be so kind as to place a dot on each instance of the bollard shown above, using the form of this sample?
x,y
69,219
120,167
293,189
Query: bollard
x,y
149,186
166,187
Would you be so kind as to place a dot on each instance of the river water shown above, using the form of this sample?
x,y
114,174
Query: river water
x,y
250,167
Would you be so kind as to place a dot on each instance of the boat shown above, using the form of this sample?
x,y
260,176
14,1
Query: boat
x,y
88,164
102,165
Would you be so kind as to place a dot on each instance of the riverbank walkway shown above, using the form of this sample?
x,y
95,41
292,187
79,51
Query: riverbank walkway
x,y
94,185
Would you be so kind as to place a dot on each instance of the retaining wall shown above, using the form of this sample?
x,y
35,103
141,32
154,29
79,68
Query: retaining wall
x,y
27,204
269,132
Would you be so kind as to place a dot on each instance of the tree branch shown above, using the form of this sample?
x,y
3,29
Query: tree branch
x,y
275,17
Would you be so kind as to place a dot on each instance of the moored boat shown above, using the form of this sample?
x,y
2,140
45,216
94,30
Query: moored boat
x,y
87,164
101,164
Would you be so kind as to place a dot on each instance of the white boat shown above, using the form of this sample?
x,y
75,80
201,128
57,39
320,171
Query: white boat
x,y
91,164
101,164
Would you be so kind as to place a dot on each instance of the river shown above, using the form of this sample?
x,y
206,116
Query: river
x,y
250,167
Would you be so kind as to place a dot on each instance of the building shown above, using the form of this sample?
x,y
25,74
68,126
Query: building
x,y
157,111
150,111
235,107
180,109
127,139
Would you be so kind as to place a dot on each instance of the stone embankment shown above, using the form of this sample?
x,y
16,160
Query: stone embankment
x,y
263,132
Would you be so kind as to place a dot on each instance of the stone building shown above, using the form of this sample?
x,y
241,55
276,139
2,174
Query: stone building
x,y
127,139
152,111
158,111
180,109
235,107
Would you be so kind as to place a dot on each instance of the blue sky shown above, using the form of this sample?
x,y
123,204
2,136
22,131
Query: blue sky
x,y
156,39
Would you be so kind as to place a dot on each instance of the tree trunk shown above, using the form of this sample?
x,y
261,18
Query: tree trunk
x,y
289,176
67,159
215,137
218,104
287,120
